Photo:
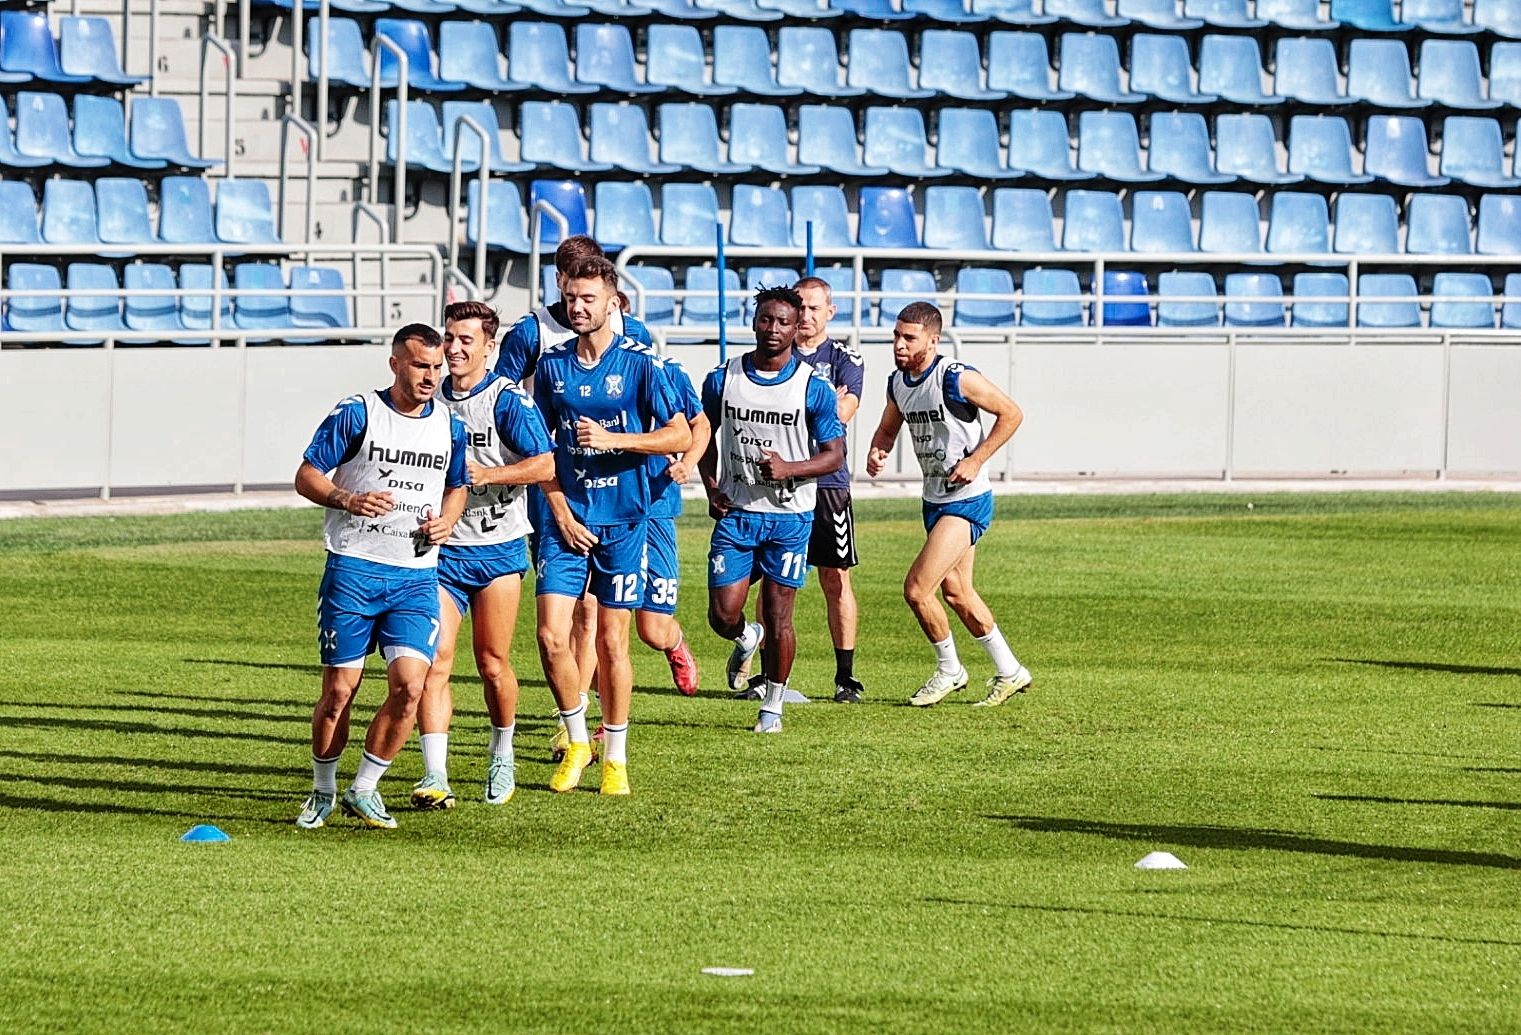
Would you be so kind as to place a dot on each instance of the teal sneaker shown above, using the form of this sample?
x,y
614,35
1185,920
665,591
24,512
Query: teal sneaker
x,y
367,808
501,780
432,793
319,806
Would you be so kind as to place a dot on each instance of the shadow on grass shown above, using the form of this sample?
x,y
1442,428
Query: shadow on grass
x,y
49,722
1218,920
84,783
175,764
37,803
1380,800
1250,838
1494,704
160,709
1434,666
1490,769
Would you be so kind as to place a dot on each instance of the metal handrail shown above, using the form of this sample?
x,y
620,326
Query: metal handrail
x,y
297,27
536,215
399,177
324,10
152,48
230,93
288,120
483,177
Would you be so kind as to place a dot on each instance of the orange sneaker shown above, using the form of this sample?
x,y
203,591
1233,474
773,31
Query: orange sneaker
x,y
683,668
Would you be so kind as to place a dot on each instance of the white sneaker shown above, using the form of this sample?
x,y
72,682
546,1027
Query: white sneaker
x,y
1000,688
938,687
768,722
738,669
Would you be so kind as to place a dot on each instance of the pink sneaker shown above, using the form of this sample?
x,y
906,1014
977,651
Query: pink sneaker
x,y
683,668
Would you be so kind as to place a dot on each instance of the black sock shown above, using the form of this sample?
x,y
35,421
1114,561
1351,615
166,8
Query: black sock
x,y
844,664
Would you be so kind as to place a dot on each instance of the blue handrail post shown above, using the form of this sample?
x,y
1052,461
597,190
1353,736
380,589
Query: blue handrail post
x,y
723,325
808,246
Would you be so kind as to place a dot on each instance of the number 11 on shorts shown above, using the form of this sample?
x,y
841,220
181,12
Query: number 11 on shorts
x,y
792,565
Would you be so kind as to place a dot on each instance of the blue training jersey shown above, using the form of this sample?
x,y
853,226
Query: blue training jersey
x,y
525,341
665,495
842,367
627,392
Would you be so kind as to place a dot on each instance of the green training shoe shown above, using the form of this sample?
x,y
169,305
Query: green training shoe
x,y
367,808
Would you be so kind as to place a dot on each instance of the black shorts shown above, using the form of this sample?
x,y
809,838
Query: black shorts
x,y
833,543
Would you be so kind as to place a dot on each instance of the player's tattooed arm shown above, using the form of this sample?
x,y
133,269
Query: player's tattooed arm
x,y
317,487
1007,416
576,535
882,440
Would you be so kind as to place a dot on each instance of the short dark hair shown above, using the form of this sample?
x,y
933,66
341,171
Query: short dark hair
x,y
593,267
923,314
575,248
783,294
814,282
474,309
420,332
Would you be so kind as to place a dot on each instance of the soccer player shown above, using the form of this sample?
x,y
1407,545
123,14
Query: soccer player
x,y
832,550
942,403
609,407
390,467
481,567
769,408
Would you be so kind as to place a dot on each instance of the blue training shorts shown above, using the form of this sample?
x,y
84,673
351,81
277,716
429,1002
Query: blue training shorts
x,y
779,542
463,571
613,571
662,571
362,605
978,511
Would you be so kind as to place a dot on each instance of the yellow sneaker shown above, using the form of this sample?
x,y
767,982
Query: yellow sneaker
x,y
558,742
615,778
577,758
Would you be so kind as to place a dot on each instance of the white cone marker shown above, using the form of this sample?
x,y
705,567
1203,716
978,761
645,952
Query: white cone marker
x,y
1160,861
729,971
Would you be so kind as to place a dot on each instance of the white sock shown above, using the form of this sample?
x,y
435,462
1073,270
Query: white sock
x,y
501,739
615,743
750,638
435,751
1005,664
325,774
773,699
945,656
371,769
575,723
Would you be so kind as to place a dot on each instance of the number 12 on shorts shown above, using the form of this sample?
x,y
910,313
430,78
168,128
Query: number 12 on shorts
x,y
626,588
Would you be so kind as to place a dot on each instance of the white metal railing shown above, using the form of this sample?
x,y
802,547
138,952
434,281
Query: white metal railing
x,y
309,137
483,179
398,131
211,41
536,216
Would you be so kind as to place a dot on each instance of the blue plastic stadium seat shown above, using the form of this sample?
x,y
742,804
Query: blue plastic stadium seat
x,y
184,211
1479,313
1231,66
984,312
1022,220
1306,71
1394,312
504,217
1397,151
744,10
1368,15
1109,145
1124,284
100,131
566,197
470,53
677,61
657,306
9,156
122,207
896,140
94,304
689,139
483,113
1298,223
842,284
742,59
28,50
157,130
967,142
1173,310
1039,309
1253,300
1223,14
886,219
1012,12
605,58
688,214
424,138
1085,12
1038,144
1501,17
244,213
317,299
1320,147
1444,16
824,206
1510,312
806,10
195,310
413,37
1505,72
877,10
621,138
1366,224
1245,147
950,63
758,277
945,12
1451,76
827,138
1319,300
1378,73
625,215
954,219
42,131
18,213
259,312
348,60
1020,64
1093,221
877,62
539,58
1437,224
1179,148
1499,224
1160,222
758,216
68,213
38,314
1302,15
160,312
1229,222
1160,66
550,137
806,58
900,287
758,137
1473,151
698,308
87,47
1157,14
1090,66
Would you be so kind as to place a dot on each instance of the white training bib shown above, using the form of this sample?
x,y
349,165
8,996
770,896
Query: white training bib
x,y
762,417
493,514
943,432
407,457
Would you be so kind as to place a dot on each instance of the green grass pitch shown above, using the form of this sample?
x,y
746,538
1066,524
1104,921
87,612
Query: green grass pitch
x,y
1315,703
